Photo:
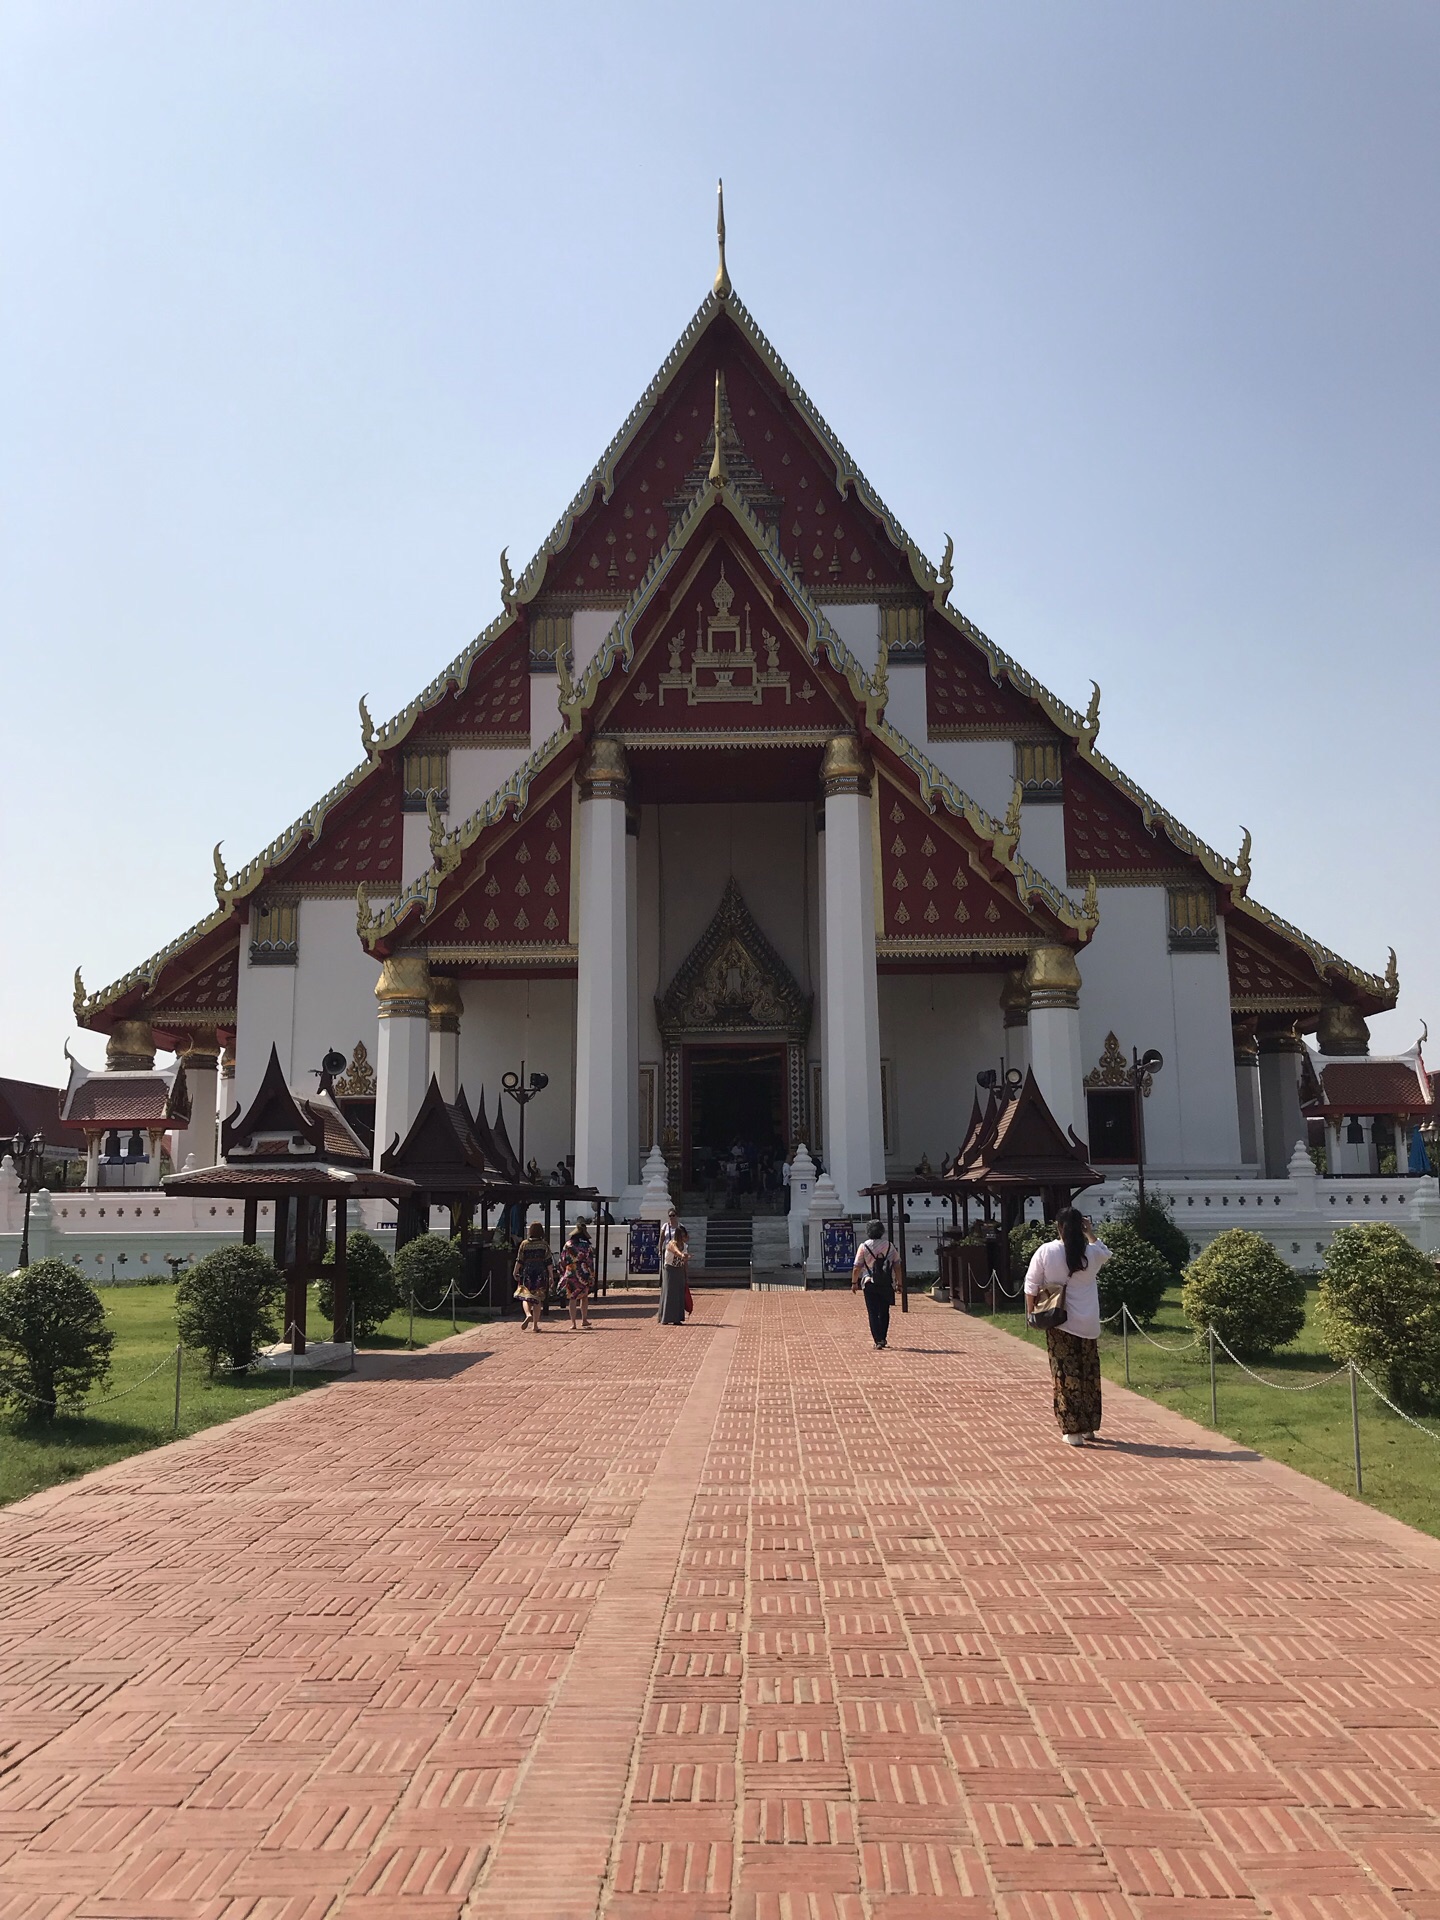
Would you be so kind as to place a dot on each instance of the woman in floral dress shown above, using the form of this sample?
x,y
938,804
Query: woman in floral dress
x,y
577,1275
533,1271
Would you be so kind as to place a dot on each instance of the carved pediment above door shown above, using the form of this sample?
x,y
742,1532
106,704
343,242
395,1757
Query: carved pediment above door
x,y
733,982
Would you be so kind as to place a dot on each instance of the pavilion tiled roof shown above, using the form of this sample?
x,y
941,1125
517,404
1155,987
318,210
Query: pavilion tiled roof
x,y
143,1098
28,1107
1365,1085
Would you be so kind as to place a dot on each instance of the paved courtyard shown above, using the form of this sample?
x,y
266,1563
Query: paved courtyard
x,y
740,1618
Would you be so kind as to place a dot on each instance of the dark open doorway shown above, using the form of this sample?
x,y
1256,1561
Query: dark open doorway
x,y
734,1096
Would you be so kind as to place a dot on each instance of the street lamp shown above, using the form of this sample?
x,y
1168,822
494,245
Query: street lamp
x,y
29,1158
1143,1068
522,1093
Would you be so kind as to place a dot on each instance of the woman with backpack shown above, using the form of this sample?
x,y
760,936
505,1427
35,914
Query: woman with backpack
x,y
1061,1296
877,1261
534,1269
577,1275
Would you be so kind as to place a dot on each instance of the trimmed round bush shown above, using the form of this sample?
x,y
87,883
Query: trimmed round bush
x,y
54,1343
374,1292
1380,1307
424,1268
1136,1275
1240,1286
1026,1236
1155,1223
228,1305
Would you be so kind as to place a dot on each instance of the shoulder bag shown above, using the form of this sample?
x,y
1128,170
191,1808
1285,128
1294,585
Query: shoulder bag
x,y
1046,1308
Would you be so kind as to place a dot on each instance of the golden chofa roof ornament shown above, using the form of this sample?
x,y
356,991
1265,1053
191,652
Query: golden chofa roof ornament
x,y
718,474
1090,725
722,276
222,879
367,731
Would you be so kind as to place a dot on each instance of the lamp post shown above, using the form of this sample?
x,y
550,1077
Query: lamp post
x,y
522,1092
1143,1068
29,1157
1005,1082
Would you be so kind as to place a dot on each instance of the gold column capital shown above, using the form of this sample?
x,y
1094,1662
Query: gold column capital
x,y
446,1004
1052,977
131,1046
844,768
403,989
1015,999
604,770
1342,1029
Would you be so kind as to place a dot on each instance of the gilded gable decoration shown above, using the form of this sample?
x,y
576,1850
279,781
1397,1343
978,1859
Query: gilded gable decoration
x,y
358,1080
723,666
733,981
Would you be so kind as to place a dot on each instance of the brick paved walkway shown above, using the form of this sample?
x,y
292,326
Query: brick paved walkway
x,y
741,1618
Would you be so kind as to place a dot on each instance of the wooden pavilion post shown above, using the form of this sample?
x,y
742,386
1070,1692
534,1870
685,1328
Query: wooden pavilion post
x,y
252,1217
340,1326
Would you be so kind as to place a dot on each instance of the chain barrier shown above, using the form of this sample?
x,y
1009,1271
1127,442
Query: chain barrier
x,y
1131,1321
1429,1432
101,1400
1280,1386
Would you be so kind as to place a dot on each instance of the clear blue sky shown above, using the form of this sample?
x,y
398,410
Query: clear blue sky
x,y
311,308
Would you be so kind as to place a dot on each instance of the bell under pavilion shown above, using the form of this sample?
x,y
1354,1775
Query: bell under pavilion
x,y
736,827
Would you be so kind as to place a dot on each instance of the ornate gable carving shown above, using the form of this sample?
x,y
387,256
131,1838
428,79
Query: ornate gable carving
x,y
733,981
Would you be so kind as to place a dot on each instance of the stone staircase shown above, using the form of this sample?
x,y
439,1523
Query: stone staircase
x,y
727,1250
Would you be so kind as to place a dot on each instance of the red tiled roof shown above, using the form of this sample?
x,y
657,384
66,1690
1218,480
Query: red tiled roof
x,y
230,1182
1370,1086
121,1100
28,1107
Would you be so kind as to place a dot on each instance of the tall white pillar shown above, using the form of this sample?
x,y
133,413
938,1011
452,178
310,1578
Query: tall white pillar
x,y
819,1136
1282,1123
446,1007
201,1061
1052,980
1015,1011
602,1035
854,1140
402,1065
633,1153
1247,1091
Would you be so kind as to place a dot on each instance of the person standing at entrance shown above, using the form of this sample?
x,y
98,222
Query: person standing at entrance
x,y
876,1263
533,1270
674,1277
1071,1263
669,1227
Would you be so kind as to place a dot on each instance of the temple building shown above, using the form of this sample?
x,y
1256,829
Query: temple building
x,y
733,825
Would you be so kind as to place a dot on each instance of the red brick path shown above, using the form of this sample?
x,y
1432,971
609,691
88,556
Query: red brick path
x,y
740,1618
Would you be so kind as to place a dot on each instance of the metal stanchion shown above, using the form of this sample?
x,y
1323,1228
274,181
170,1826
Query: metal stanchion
x,y
179,1353
410,1342
352,1336
292,1359
1125,1336
1214,1416
1355,1427
454,1325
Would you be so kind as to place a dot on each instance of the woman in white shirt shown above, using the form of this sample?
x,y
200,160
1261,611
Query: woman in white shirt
x,y
1072,1262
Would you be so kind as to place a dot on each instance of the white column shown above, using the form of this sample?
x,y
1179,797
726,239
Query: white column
x,y
819,1120
602,1036
199,1137
92,1159
446,1007
854,1142
1247,1092
402,1065
1015,1011
1282,1123
632,1156
1052,980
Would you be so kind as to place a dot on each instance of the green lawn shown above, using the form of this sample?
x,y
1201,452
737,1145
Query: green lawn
x,y
1308,1431
127,1417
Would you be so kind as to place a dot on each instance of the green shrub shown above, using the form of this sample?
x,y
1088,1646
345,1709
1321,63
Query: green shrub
x,y
1155,1222
227,1305
374,1292
54,1344
1136,1275
1025,1237
1380,1307
424,1268
1240,1286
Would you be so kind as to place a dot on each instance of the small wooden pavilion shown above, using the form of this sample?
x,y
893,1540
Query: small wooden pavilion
x,y
458,1160
300,1155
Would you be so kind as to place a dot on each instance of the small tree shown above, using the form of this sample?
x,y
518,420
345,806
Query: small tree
x,y
226,1305
1380,1307
1240,1286
1154,1222
424,1268
1136,1274
54,1344
370,1278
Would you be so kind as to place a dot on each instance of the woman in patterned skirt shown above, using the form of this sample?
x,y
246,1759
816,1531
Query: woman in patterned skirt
x,y
533,1270
577,1275
1072,1262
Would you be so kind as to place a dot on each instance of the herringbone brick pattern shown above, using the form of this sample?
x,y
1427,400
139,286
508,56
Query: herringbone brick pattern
x,y
736,1619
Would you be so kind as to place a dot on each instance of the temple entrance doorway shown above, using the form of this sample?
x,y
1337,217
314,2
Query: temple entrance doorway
x,y
734,1110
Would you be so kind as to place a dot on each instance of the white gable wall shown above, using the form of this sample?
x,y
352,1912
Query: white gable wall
x,y
505,1022
859,627
937,1031
334,988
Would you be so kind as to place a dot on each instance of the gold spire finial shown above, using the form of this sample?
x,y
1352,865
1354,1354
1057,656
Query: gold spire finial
x,y
718,475
722,276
